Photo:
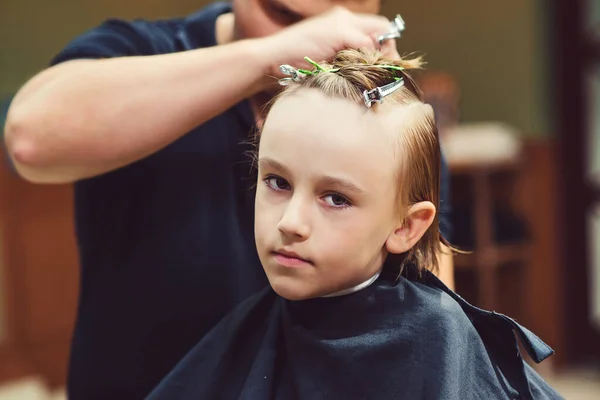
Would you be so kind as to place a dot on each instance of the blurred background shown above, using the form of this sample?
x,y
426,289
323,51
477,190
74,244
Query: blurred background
x,y
516,88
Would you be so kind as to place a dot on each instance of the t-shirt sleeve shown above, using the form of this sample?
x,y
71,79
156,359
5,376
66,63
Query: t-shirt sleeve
x,y
445,209
119,38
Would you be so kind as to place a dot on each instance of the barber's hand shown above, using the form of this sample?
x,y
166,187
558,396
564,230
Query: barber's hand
x,y
321,37
389,50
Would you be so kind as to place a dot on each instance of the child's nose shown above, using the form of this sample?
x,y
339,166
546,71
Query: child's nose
x,y
294,221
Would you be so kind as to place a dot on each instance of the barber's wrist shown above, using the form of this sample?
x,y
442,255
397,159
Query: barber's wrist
x,y
251,64
271,55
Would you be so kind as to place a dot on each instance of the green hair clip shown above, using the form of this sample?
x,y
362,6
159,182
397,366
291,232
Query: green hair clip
x,y
296,75
317,66
392,67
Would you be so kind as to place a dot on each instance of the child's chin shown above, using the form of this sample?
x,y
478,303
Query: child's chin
x,y
292,292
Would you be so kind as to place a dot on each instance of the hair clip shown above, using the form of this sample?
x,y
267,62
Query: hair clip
x,y
396,29
293,75
377,94
296,75
392,67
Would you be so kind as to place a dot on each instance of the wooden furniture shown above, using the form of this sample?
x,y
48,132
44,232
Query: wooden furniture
x,y
522,279
487,255
40,277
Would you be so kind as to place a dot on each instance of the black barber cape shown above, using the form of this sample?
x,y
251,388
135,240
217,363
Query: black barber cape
x,y
397,339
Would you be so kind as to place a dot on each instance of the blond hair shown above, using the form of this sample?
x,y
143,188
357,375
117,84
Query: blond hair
x,y
419,174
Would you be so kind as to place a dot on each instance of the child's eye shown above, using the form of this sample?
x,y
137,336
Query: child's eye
x,y
336,200
277,183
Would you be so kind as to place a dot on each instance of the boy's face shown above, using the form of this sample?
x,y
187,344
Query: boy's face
x,y
259,18
326,193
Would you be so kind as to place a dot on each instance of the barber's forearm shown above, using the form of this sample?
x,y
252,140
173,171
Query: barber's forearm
x,y
87,117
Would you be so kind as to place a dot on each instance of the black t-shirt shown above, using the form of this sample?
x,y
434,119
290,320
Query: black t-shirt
x,y
167,243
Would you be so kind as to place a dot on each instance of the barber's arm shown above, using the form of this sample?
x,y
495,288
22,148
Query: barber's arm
x,y
84,117
117,102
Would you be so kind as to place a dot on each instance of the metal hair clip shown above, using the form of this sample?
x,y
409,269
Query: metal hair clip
x,y
296,75
395,32
293,73
377,94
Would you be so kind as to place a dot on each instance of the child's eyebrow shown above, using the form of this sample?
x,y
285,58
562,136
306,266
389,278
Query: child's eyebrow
x,y
266,162
324,180
341,183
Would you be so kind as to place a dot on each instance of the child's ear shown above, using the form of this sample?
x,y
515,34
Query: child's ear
x,y
417,221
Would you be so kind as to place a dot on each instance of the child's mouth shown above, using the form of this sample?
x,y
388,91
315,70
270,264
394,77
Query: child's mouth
x,y
289,260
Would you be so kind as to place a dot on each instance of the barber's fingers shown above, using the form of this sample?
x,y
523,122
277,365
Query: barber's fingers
x,y
372,24
389,50
361,40
375,26
342,18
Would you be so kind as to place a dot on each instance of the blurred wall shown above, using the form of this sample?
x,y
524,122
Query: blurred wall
x,y
496,49
32,31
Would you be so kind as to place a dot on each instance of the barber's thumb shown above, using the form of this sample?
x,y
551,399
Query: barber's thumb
x,y
389,50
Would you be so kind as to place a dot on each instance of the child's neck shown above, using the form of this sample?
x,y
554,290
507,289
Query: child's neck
x,y
356,288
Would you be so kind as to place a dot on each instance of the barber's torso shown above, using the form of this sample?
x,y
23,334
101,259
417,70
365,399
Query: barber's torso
x,y
166,244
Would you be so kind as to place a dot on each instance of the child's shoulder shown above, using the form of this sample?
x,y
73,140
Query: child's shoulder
x,y
431,305
453,312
